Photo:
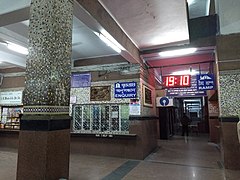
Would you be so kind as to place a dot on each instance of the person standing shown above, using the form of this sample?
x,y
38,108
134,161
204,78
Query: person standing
x,y
185,121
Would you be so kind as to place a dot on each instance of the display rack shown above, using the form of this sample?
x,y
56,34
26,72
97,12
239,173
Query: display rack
x,y
10,117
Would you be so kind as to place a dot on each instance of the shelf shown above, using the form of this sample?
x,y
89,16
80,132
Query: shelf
x,y
10,117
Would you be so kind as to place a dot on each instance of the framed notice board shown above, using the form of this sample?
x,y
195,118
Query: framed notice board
x,y
147,97
100,93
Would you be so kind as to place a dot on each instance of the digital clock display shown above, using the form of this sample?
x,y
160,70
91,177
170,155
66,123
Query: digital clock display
x,y
177,81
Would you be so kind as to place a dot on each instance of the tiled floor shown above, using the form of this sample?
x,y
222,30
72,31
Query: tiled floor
x,y
177,159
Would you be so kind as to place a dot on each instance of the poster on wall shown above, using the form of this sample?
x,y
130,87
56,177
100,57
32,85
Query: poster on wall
x,y
134,107
81,80
147,97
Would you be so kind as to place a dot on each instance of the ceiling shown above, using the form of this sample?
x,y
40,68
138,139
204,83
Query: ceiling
x,y
149,24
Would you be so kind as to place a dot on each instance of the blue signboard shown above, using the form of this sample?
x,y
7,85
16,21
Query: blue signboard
x,y
205,82
81,80
186,92
125,90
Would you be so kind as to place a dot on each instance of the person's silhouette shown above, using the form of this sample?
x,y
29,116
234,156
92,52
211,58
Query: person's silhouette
x,y
185,121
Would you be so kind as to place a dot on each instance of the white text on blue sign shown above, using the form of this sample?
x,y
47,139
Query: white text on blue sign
x,y
125,90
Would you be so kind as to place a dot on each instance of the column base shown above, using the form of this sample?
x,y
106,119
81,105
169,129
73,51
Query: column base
x,y
230,144
44,149
43,155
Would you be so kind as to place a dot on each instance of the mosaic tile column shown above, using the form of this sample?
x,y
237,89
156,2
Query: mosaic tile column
x,y
229,93
44,138
228,60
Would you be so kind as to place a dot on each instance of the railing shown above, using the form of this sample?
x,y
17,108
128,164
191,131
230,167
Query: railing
x,y
101,118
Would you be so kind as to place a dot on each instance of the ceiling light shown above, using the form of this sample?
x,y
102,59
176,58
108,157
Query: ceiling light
x,y
108,42
191,72
17,48
190,2
110,38
178,52
208,7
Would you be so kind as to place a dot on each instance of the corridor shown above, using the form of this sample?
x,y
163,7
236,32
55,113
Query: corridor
x,y
176,159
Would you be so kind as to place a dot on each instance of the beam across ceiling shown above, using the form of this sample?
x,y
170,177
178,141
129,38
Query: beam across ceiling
x,y
15,60
14,16
94,15
87,12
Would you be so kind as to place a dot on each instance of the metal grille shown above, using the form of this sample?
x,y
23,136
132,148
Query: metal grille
x,y
99,118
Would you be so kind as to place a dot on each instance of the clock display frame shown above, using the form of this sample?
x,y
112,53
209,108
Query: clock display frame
x,y
174,81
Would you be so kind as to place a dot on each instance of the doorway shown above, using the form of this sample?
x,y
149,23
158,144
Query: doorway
x,y
196,108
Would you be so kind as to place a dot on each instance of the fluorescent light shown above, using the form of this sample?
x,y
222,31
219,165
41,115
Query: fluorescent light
x,y
192,72
190,2
110,38
207,7
178,52
108,42
17,48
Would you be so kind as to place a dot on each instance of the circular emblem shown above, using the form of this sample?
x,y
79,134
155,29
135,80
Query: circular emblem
x,y
164,101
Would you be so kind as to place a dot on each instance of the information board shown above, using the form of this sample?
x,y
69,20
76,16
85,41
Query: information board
x,y
81,80
125,90
205,82
11,97
186,92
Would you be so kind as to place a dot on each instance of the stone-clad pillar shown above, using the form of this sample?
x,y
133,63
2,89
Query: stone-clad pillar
x,y
228,59
44,139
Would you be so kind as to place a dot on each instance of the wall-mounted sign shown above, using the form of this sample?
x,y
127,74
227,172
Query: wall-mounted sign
x,y
73,99
11,97
125,90
164,102
177,81
81,80
134,107
100,93
147,97
187,91
205,82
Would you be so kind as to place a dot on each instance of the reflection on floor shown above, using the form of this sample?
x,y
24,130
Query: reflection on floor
x,y
180,158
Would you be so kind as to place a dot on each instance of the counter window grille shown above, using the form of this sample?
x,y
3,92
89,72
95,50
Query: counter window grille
x,y
101,118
